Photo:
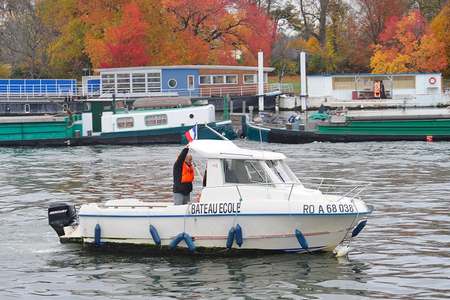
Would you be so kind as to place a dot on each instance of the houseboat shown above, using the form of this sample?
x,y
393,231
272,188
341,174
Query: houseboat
x,y
151,121
376,90
209,83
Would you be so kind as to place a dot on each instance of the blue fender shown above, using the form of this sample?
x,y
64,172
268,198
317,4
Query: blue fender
x,y
359,228
238,235
301,239
230,239
155,235
174,243
97,235
189,242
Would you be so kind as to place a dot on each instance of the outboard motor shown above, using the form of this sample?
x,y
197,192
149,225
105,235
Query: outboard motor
x,y
61,215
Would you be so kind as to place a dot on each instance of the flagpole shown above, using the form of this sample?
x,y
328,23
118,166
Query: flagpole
x,y
217,133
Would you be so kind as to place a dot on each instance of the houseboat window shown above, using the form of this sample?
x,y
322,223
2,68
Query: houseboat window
x,y
156,120
123,83
108,83
245,171
153,82
125,122
190,80
172,83
231,79
217,79
138,83
249,78
205,79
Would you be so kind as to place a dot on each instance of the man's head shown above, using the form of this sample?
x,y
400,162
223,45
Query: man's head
x,y
188,159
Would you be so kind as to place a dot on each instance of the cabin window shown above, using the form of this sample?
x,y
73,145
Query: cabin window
x,y
217,79
138,82
123,83
125,122
282,171
154,82
190,82
249,78
156,120
245,171
231,79
172,83
205,79
108,83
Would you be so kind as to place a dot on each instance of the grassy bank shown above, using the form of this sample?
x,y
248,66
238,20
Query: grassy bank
x,y
292,79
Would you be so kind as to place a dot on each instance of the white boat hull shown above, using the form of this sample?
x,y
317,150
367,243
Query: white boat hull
x,y
263,230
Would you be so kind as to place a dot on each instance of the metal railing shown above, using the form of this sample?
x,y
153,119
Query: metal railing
x,y
27,92
341,187
344,188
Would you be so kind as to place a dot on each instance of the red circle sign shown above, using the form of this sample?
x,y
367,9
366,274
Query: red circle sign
x,y
432,80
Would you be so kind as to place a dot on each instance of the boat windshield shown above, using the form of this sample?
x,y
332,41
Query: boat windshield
x,y
245,171
282,171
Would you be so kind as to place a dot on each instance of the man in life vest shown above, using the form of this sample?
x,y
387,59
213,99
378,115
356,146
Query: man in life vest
x,y
183,176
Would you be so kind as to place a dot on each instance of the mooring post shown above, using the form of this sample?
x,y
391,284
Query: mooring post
x,y
226,112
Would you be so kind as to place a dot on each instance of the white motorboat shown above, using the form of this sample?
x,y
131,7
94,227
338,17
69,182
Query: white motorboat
x,y
252,201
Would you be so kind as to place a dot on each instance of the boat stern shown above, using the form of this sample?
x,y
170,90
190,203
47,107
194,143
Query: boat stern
x,y
63,218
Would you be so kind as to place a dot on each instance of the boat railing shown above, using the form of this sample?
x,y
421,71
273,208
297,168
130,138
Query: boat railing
x,y
346,188
27,91
343,188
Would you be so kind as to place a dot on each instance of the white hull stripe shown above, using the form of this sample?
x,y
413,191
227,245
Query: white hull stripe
x,y
224,237
223,215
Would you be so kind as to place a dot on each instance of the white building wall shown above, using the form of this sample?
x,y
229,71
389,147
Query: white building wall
x,y
320,86
425,87
342,95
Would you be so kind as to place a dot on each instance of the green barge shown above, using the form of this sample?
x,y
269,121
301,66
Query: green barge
x,y
357,129
158,125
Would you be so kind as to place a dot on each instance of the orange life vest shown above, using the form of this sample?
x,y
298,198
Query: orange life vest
x,y
377,89
187,173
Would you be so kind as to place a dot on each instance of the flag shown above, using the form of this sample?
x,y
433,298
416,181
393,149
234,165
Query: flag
x,y
191,134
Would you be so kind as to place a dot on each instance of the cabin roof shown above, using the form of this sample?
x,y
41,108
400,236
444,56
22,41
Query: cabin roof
x,y
227,149
372,74
209,67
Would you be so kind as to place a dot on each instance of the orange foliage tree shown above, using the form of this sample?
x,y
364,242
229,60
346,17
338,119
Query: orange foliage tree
x,y
225,31
123,44
408,45
116,33
441,28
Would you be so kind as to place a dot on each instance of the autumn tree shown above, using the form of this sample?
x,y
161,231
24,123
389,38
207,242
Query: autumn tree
x,y
373,15
24,38
66,51
408,45
123,44
428,8
441,28
222,27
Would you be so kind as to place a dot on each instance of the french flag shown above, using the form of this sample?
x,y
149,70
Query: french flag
x,y
191,134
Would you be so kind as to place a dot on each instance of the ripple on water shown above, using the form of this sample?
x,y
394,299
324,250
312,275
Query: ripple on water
x,y
402,253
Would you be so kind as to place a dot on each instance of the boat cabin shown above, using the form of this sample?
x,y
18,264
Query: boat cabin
x,y
230,165
425,89
180,80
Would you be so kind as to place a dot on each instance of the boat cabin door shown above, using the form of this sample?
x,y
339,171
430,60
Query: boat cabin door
x,y
97,111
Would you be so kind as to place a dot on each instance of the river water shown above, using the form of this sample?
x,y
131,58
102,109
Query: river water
x,y
404,252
